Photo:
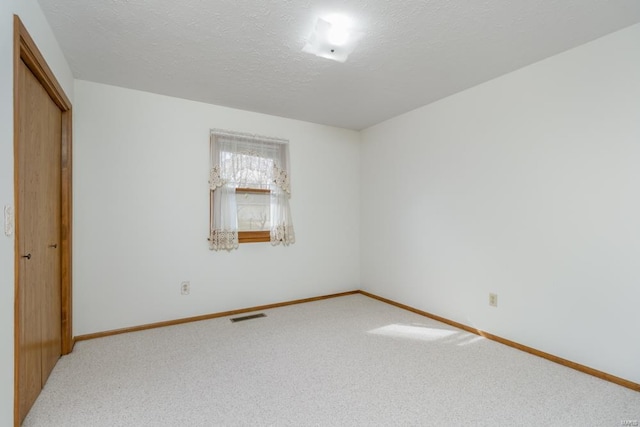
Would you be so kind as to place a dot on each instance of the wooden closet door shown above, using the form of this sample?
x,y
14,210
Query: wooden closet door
x,y
29,183
38,190
50,241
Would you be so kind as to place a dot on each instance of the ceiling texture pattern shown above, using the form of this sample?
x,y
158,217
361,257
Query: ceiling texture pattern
x,y
247,54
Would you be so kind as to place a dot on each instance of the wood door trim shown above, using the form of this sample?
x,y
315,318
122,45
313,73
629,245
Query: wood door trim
x,y
30,54
25,49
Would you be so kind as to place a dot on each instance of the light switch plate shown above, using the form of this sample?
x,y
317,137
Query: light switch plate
x,y
9,220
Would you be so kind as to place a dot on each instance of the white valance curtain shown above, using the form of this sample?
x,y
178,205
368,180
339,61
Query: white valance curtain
x,y
248,161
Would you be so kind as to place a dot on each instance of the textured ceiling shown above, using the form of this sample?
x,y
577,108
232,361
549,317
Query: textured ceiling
x,y
247,54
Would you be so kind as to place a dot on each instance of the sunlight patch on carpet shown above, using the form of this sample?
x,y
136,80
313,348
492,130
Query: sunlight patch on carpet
x,y
414,332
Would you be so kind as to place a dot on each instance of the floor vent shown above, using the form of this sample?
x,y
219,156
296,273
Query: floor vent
x,y
252,316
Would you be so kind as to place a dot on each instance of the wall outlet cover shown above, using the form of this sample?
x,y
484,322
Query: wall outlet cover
x,y
493,300
185,288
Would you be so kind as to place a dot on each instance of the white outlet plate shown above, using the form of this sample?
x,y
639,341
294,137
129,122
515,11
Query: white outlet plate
x,y
185,288
493,300
9,220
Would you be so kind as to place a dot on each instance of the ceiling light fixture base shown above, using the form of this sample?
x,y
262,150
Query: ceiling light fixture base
x,y
332,41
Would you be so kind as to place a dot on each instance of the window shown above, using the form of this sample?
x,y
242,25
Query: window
x,y
254,214
249,190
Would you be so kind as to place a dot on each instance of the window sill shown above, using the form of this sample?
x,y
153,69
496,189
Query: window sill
x,y
254,236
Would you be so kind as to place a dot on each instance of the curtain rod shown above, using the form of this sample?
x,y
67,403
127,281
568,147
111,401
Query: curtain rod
x,y
234,134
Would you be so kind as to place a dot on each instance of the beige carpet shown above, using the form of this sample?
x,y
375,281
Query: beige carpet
x,y
348,361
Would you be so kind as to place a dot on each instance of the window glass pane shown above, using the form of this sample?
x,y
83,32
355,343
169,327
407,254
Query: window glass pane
x,y
254,212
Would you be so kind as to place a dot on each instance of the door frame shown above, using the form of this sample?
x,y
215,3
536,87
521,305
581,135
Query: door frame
x,y
25,49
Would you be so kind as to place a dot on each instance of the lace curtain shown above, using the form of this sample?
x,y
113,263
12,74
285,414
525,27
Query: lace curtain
x,y
248,161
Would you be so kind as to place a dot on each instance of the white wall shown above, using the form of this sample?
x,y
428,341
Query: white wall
x,y
141,209
526,186
33,19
